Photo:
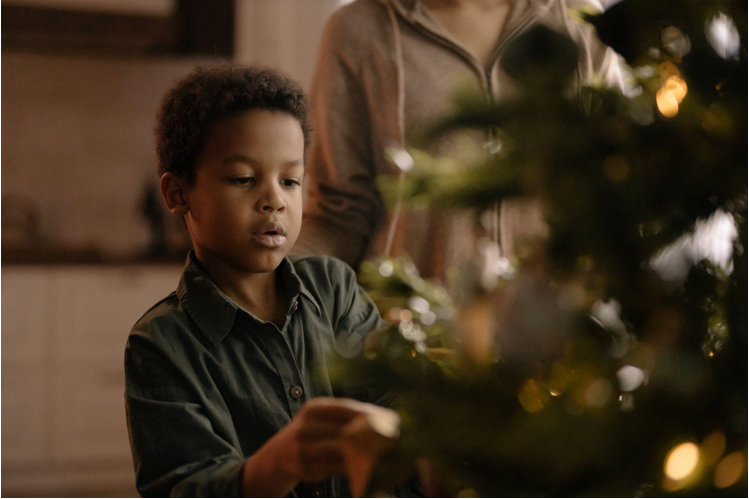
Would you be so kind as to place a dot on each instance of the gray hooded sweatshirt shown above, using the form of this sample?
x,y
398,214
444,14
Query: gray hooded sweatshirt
x,y
386,70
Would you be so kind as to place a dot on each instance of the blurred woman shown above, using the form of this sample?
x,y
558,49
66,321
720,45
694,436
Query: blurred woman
x,y
386,70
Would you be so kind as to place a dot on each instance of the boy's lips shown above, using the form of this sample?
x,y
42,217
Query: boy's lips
x,y
270,235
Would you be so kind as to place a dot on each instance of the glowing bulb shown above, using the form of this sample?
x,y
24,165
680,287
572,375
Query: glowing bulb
x,y
400,157
428,318
667,103
395,313
418,304
729,470
386,269
630,378
530,398
681,461
675,41
677,87
723,35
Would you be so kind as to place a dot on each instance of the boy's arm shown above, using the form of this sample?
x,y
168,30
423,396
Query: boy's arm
x,y
175,448
178,452
308,449
355,316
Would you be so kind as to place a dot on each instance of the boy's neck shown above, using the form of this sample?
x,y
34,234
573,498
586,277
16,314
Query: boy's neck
x,y
260,293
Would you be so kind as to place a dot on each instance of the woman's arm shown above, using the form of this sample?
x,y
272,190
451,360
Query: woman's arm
x,y
343,206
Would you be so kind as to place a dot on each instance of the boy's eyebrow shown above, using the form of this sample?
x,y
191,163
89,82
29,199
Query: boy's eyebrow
x,y
241,158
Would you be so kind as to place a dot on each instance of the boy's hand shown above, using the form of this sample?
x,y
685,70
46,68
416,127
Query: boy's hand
x,y
310,444
308,449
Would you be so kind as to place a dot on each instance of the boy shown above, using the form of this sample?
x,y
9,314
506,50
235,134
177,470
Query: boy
x,y
218,373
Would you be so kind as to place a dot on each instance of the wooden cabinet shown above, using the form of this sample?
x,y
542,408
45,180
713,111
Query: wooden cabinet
x,y
63,337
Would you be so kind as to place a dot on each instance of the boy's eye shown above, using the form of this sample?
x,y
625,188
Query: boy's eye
x,y
242,180
290,182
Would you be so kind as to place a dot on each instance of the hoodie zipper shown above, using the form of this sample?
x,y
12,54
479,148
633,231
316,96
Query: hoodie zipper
x,y
497,53
485,73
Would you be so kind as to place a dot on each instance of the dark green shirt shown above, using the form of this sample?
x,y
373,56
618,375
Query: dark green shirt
x,y
208,383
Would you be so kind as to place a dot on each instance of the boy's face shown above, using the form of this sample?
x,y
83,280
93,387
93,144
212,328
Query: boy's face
x,y
245,204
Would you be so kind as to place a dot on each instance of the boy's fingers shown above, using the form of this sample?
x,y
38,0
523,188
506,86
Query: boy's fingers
x,y
315,429
330,409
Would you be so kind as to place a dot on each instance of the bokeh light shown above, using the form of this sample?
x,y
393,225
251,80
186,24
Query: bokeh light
x,y
723,36
418,304
681,461
400,158
677,87
428,318
598,393
394,314
675,41
670,95
729,470
712,239
530,397
630,378
386,269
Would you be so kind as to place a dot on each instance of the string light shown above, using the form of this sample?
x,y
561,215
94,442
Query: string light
x,y
723,36
670,95
681,461
729,470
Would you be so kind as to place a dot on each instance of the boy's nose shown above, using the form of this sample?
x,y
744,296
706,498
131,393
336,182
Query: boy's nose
x,y
270,207
272,201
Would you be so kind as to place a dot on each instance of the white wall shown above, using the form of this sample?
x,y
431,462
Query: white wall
x,y
77,139
282,34
77,131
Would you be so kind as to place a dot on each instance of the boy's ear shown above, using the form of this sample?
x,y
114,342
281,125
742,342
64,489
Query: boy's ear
x,y
174,194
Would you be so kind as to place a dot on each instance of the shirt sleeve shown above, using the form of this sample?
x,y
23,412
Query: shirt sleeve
x,y
343,206
356,314
177,450
356,317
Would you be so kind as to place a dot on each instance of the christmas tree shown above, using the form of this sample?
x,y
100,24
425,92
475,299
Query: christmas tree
x,y
610,357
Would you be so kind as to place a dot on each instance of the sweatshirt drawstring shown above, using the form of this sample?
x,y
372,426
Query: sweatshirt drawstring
x,y
400,79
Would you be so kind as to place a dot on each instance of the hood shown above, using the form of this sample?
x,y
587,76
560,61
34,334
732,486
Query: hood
x,y
413,10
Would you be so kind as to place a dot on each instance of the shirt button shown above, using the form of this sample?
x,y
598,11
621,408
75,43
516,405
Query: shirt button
x,y
318,491
296,392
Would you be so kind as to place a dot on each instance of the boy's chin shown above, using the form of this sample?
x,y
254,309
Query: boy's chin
x,y
267,262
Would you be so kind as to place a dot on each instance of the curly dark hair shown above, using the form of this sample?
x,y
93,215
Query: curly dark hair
x,y
191,108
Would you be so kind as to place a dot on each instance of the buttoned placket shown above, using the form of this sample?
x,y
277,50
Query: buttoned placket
x,y
276,342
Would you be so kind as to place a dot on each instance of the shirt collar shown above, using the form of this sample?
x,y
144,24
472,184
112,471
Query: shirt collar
x,y
294,285
214,312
